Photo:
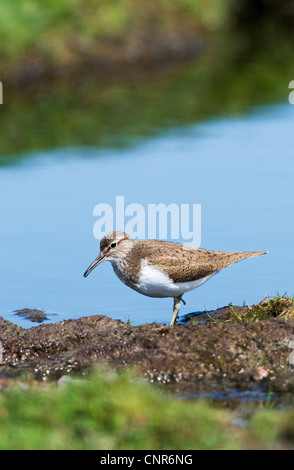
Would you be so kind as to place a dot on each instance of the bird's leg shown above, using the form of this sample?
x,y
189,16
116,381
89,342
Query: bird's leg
x,y
181,298
177,303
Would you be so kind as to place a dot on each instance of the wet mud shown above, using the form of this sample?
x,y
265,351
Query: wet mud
x,y
220,352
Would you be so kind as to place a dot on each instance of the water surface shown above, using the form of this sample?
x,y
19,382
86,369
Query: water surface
x,y
240,169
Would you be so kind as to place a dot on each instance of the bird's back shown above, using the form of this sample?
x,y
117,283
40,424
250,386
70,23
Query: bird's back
x,y
184,263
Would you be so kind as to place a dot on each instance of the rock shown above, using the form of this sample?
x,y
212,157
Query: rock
x,y
192,357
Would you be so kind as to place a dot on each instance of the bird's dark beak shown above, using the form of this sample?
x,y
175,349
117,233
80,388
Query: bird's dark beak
x,y
94,264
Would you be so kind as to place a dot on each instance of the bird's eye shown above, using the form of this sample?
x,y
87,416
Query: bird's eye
x,y
113,245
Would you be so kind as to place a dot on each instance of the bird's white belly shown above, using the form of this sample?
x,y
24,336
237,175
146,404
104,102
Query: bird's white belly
x,y
155,283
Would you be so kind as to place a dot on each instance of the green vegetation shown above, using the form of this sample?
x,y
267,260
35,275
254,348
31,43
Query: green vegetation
x,y
271,426
106,411
90,112
64,32
48,37
276,307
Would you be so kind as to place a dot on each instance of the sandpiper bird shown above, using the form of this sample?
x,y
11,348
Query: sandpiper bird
x,y
163,269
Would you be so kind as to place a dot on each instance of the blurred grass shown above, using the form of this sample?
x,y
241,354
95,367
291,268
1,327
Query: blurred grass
x,y
41,38
273,428
110,411
62,32
88,111
106,411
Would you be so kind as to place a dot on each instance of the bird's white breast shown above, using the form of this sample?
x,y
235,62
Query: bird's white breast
x,y
155,283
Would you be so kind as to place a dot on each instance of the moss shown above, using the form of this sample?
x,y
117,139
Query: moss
x,y
275,307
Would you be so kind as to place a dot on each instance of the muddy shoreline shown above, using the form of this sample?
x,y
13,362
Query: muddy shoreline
x,y
213,350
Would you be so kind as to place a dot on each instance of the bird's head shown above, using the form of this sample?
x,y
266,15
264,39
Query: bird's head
x,y
113,247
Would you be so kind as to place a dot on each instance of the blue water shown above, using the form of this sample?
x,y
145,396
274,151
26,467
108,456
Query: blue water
x,y
239,169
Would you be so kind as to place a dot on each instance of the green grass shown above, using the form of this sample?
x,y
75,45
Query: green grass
x,y
274,307
272,428
106,411
110,411
63,31
56,34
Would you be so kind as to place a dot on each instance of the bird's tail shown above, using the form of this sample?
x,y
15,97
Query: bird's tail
x,y
228,258
256,253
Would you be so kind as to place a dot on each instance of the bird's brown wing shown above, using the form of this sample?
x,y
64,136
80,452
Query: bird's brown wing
x,y
183,263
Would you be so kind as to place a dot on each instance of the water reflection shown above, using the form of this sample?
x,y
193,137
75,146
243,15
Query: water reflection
x,y
90,111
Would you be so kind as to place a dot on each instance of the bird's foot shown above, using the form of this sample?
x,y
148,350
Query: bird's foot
x,y
181,298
